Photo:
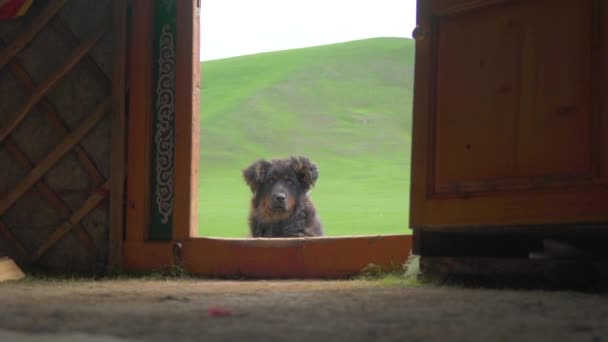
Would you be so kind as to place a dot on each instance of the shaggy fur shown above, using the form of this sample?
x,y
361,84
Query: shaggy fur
x,y
280,206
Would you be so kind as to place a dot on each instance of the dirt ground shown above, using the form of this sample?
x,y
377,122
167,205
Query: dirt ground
x,y
201,310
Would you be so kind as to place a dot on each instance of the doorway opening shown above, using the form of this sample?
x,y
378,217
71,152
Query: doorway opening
x,y
154,241
300,82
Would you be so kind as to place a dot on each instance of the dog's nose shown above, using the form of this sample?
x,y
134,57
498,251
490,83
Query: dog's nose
x,y
279,197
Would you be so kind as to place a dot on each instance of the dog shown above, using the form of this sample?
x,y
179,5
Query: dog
x,y
280,205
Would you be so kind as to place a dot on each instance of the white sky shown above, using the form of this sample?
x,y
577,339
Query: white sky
x,y
240,27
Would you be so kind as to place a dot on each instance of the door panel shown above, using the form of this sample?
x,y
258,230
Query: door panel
x,y
508,113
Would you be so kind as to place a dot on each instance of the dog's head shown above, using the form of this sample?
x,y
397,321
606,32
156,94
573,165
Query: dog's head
x,y
277,185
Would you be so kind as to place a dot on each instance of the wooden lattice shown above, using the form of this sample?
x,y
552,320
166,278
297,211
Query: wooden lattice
x,y
49,19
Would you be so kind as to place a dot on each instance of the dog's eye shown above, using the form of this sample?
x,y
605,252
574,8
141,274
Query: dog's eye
x,y
272,179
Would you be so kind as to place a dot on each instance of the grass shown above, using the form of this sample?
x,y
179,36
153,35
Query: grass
x,y
346,106
170,272
395,275
398,275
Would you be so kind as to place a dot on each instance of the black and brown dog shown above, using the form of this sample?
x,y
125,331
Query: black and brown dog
x,y
280,206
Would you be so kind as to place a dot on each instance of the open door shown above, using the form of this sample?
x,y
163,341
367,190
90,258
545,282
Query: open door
x,y
510,114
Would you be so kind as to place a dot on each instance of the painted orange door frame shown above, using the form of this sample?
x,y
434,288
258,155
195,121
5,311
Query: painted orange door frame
x,y
301,257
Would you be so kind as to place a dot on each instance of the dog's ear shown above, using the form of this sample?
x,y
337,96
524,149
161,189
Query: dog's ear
x,y
254,174
306,170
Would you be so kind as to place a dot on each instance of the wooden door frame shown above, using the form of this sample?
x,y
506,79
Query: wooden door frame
x,y
299,257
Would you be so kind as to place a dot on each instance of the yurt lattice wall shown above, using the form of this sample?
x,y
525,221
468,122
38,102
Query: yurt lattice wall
x,y
56,66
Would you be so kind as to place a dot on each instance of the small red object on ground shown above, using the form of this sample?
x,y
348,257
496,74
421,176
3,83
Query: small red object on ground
x,y
216,311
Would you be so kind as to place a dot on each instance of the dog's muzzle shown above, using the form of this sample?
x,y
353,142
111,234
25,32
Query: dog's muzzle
x,y
279,201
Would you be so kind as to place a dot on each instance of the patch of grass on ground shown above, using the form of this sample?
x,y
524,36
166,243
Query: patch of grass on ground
x,y
171,272
397,275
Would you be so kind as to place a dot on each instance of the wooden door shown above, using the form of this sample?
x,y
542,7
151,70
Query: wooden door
x,y
510,113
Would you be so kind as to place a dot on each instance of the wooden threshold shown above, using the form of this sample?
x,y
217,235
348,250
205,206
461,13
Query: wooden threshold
x,y
325,257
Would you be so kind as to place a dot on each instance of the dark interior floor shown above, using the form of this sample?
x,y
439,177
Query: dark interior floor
x,y
199,310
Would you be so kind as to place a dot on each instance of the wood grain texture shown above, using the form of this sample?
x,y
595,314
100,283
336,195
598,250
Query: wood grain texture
x,y
117,172
139,70
455,7
506,107
186,122
603,90
423,105
503,134
273,258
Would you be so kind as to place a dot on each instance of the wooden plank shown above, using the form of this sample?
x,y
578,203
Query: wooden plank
x,y
597,61
523,137
505,185
186,122
454,7
91,203
603,89
29,33
513,209
423,107
325,257
530,229
46,108
117,172
54,200
557,130
139,121
59,151
9,270
43,88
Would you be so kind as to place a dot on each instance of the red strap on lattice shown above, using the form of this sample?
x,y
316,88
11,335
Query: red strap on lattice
x,y
13,8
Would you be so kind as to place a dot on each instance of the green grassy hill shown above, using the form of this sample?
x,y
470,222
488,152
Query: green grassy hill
x,y
346,106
